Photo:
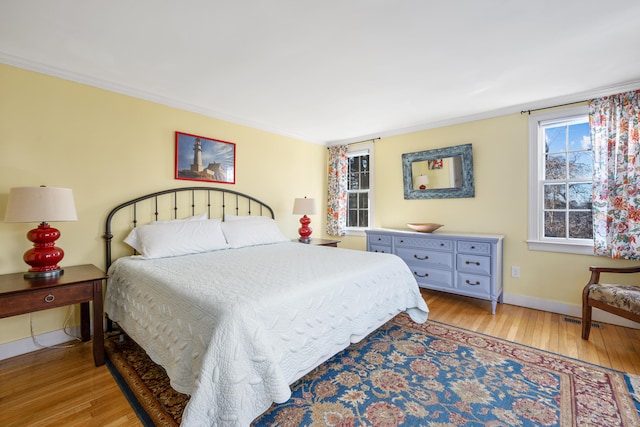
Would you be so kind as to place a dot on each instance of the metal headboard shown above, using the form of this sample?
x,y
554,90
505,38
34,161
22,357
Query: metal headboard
x,y
211,200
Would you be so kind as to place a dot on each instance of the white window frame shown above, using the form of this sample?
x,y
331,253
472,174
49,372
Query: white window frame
x,y
359,150
536,239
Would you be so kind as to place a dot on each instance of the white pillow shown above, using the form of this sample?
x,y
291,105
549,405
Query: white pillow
x,y
180,238
251,233
132,238
245,218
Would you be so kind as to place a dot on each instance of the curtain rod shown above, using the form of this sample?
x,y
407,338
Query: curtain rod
x,y
553,106
357,142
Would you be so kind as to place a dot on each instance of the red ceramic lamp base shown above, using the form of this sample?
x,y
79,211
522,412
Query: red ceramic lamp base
x,y
305,230
44,256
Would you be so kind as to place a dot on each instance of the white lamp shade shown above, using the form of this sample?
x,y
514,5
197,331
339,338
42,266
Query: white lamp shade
x,y
304,206
422,180
40,204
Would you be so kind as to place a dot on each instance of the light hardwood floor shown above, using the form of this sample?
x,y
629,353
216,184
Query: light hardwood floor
x,y
64,388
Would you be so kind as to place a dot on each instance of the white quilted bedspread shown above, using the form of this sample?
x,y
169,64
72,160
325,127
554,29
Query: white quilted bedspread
x,y
233,328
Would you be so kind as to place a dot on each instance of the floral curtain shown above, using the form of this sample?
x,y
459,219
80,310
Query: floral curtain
x,y
615,134
337,194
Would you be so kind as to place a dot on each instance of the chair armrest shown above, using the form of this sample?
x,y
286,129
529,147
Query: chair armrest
x,y
635,269
595,272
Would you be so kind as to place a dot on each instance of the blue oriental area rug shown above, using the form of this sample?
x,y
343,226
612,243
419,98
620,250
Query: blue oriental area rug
x,y
420,375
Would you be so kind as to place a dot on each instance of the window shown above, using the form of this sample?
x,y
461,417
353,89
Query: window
x,y
560,181
360,189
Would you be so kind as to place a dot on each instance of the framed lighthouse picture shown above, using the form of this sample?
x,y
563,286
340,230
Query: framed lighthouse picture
x,y
199,158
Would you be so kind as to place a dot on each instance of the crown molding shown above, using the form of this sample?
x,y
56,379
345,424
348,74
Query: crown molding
x,y
144,95
174,103
536,105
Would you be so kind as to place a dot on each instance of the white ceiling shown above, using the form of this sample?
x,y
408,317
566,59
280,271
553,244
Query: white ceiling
x,y
336,70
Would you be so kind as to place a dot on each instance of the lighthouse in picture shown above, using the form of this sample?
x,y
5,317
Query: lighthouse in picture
x,y
197,156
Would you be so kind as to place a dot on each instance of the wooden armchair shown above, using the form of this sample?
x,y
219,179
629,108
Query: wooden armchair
x,y
622,300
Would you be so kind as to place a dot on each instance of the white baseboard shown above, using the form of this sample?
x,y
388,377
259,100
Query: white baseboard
x,y
567,310
26,345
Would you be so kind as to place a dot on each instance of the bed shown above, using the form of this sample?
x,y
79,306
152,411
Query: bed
x,y
233,310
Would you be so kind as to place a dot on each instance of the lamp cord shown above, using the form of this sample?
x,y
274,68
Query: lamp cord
x,y
64,327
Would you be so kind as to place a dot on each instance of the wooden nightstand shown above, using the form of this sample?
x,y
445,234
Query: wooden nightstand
x,y
321,242
80,284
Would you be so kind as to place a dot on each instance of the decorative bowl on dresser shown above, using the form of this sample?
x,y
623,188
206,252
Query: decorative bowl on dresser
x,y
426,227
461,263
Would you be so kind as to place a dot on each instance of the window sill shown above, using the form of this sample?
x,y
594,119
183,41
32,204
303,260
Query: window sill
x,y
358,232
569,248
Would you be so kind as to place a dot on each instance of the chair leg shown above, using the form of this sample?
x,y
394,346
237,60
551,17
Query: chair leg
x,y
586,321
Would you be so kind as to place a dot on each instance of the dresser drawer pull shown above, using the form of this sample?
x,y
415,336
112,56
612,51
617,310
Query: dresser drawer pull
x,y
471,262
420,275
49,298
379,251
473,284
421,259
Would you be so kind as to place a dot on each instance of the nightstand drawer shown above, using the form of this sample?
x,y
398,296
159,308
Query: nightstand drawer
x,y
26,302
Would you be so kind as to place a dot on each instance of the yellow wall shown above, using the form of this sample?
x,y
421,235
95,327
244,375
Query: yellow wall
x,y
110,148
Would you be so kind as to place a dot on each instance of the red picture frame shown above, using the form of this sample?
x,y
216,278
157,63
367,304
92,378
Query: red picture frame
x,y
199,158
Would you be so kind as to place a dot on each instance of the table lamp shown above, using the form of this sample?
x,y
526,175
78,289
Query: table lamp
x,y
41,204
304,206
422,181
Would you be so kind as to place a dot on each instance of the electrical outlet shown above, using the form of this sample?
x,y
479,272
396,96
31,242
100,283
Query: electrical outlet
x,y
515,271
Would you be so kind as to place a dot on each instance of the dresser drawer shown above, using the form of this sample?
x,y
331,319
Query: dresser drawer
x,y
380,248
474,248
432,259
417,242
379,239
431,277
474,264
47,298
474,284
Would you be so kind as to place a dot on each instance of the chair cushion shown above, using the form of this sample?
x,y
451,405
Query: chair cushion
x,y
624,297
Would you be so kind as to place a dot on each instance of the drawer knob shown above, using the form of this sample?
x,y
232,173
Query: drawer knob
x,y
380,251
421,259
420,275
471,262
49,298
472,284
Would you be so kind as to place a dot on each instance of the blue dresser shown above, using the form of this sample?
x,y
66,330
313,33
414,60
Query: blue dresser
x,y
459,263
